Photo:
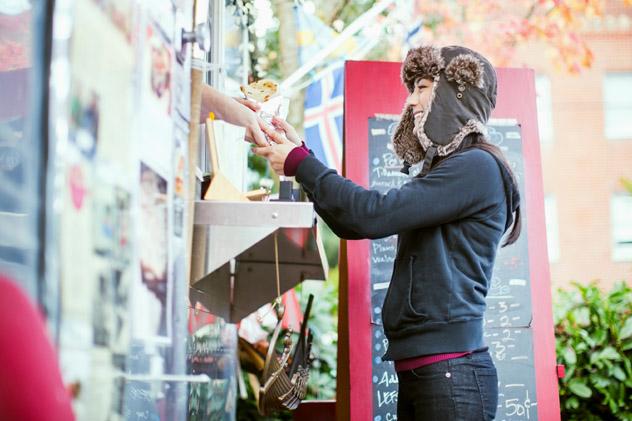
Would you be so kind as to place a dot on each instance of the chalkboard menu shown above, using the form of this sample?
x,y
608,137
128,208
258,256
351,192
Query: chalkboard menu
x,y
508,318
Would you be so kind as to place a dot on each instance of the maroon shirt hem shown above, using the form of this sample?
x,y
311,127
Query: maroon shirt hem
x,y
417,362
294,159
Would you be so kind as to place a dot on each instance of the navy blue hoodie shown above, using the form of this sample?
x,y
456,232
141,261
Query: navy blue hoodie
x,y
449,226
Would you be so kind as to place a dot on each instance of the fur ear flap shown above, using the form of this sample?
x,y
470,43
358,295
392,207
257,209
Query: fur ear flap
x,y
465,68
406,144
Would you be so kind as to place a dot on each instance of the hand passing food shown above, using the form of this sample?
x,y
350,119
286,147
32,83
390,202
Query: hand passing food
x,y
286,128
278,151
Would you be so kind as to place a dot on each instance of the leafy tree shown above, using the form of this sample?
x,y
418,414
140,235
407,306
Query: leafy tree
x,y
497,28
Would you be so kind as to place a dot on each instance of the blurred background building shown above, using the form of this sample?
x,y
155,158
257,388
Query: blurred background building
x,y
585,124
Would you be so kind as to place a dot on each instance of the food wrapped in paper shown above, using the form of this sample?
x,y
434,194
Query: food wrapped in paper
x,y
266,93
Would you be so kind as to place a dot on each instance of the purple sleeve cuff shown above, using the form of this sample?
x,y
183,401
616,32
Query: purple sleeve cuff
x,y
293,160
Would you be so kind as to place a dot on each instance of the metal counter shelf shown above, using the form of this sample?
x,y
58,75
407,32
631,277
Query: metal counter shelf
x,y
233,264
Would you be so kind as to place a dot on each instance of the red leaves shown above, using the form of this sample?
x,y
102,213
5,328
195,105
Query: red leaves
x,y
496,28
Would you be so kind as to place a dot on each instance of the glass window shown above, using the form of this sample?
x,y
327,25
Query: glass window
x,y
235,46
618,105
228,71
20,147
621,220
545,108
552,228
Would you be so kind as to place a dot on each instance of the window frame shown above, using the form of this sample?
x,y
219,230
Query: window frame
x,y
618,132
623,252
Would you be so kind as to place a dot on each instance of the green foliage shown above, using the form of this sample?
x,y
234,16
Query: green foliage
x,y
260,174
324,324
594,342
331,244
351,10
265,56
265,52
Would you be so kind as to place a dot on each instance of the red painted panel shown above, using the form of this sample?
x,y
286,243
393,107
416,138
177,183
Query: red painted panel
x,y
370,88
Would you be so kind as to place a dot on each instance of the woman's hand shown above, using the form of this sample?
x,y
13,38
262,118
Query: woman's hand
x,y
278,123
286,128
278,151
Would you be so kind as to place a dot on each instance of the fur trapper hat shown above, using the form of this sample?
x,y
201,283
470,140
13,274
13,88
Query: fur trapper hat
x,y
462,99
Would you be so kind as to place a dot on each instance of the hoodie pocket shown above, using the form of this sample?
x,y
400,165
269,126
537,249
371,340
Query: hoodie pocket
x,y
416,291
398,311
430,290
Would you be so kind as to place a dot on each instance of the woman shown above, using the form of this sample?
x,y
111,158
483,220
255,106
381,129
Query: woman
x,y
449,219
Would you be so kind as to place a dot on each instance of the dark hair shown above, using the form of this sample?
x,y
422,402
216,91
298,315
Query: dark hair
x,y
478,141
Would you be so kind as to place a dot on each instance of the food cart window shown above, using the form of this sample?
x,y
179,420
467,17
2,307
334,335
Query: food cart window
x,y
228,69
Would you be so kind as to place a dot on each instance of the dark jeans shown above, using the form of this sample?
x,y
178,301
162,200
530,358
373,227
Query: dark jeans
x,y
461,389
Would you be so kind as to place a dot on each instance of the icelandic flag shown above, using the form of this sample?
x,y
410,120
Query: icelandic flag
x,y
323,117
324,96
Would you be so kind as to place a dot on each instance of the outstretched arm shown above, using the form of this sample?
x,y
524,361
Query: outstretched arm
x,y
240,112
460,186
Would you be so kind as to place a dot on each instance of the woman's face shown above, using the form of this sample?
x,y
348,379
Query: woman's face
x,y
420,98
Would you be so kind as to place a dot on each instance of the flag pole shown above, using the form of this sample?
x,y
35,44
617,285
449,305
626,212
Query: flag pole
x,y
351,30
360,52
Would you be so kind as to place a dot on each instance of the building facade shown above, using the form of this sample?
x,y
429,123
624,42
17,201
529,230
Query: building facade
x,y
586,144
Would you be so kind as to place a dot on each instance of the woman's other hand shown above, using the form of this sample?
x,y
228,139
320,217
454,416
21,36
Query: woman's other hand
x,y
286,128
278,151
278,123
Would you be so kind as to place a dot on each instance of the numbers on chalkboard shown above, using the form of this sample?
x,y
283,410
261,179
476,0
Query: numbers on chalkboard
x,y
519,407
499,350
507,335
499,289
